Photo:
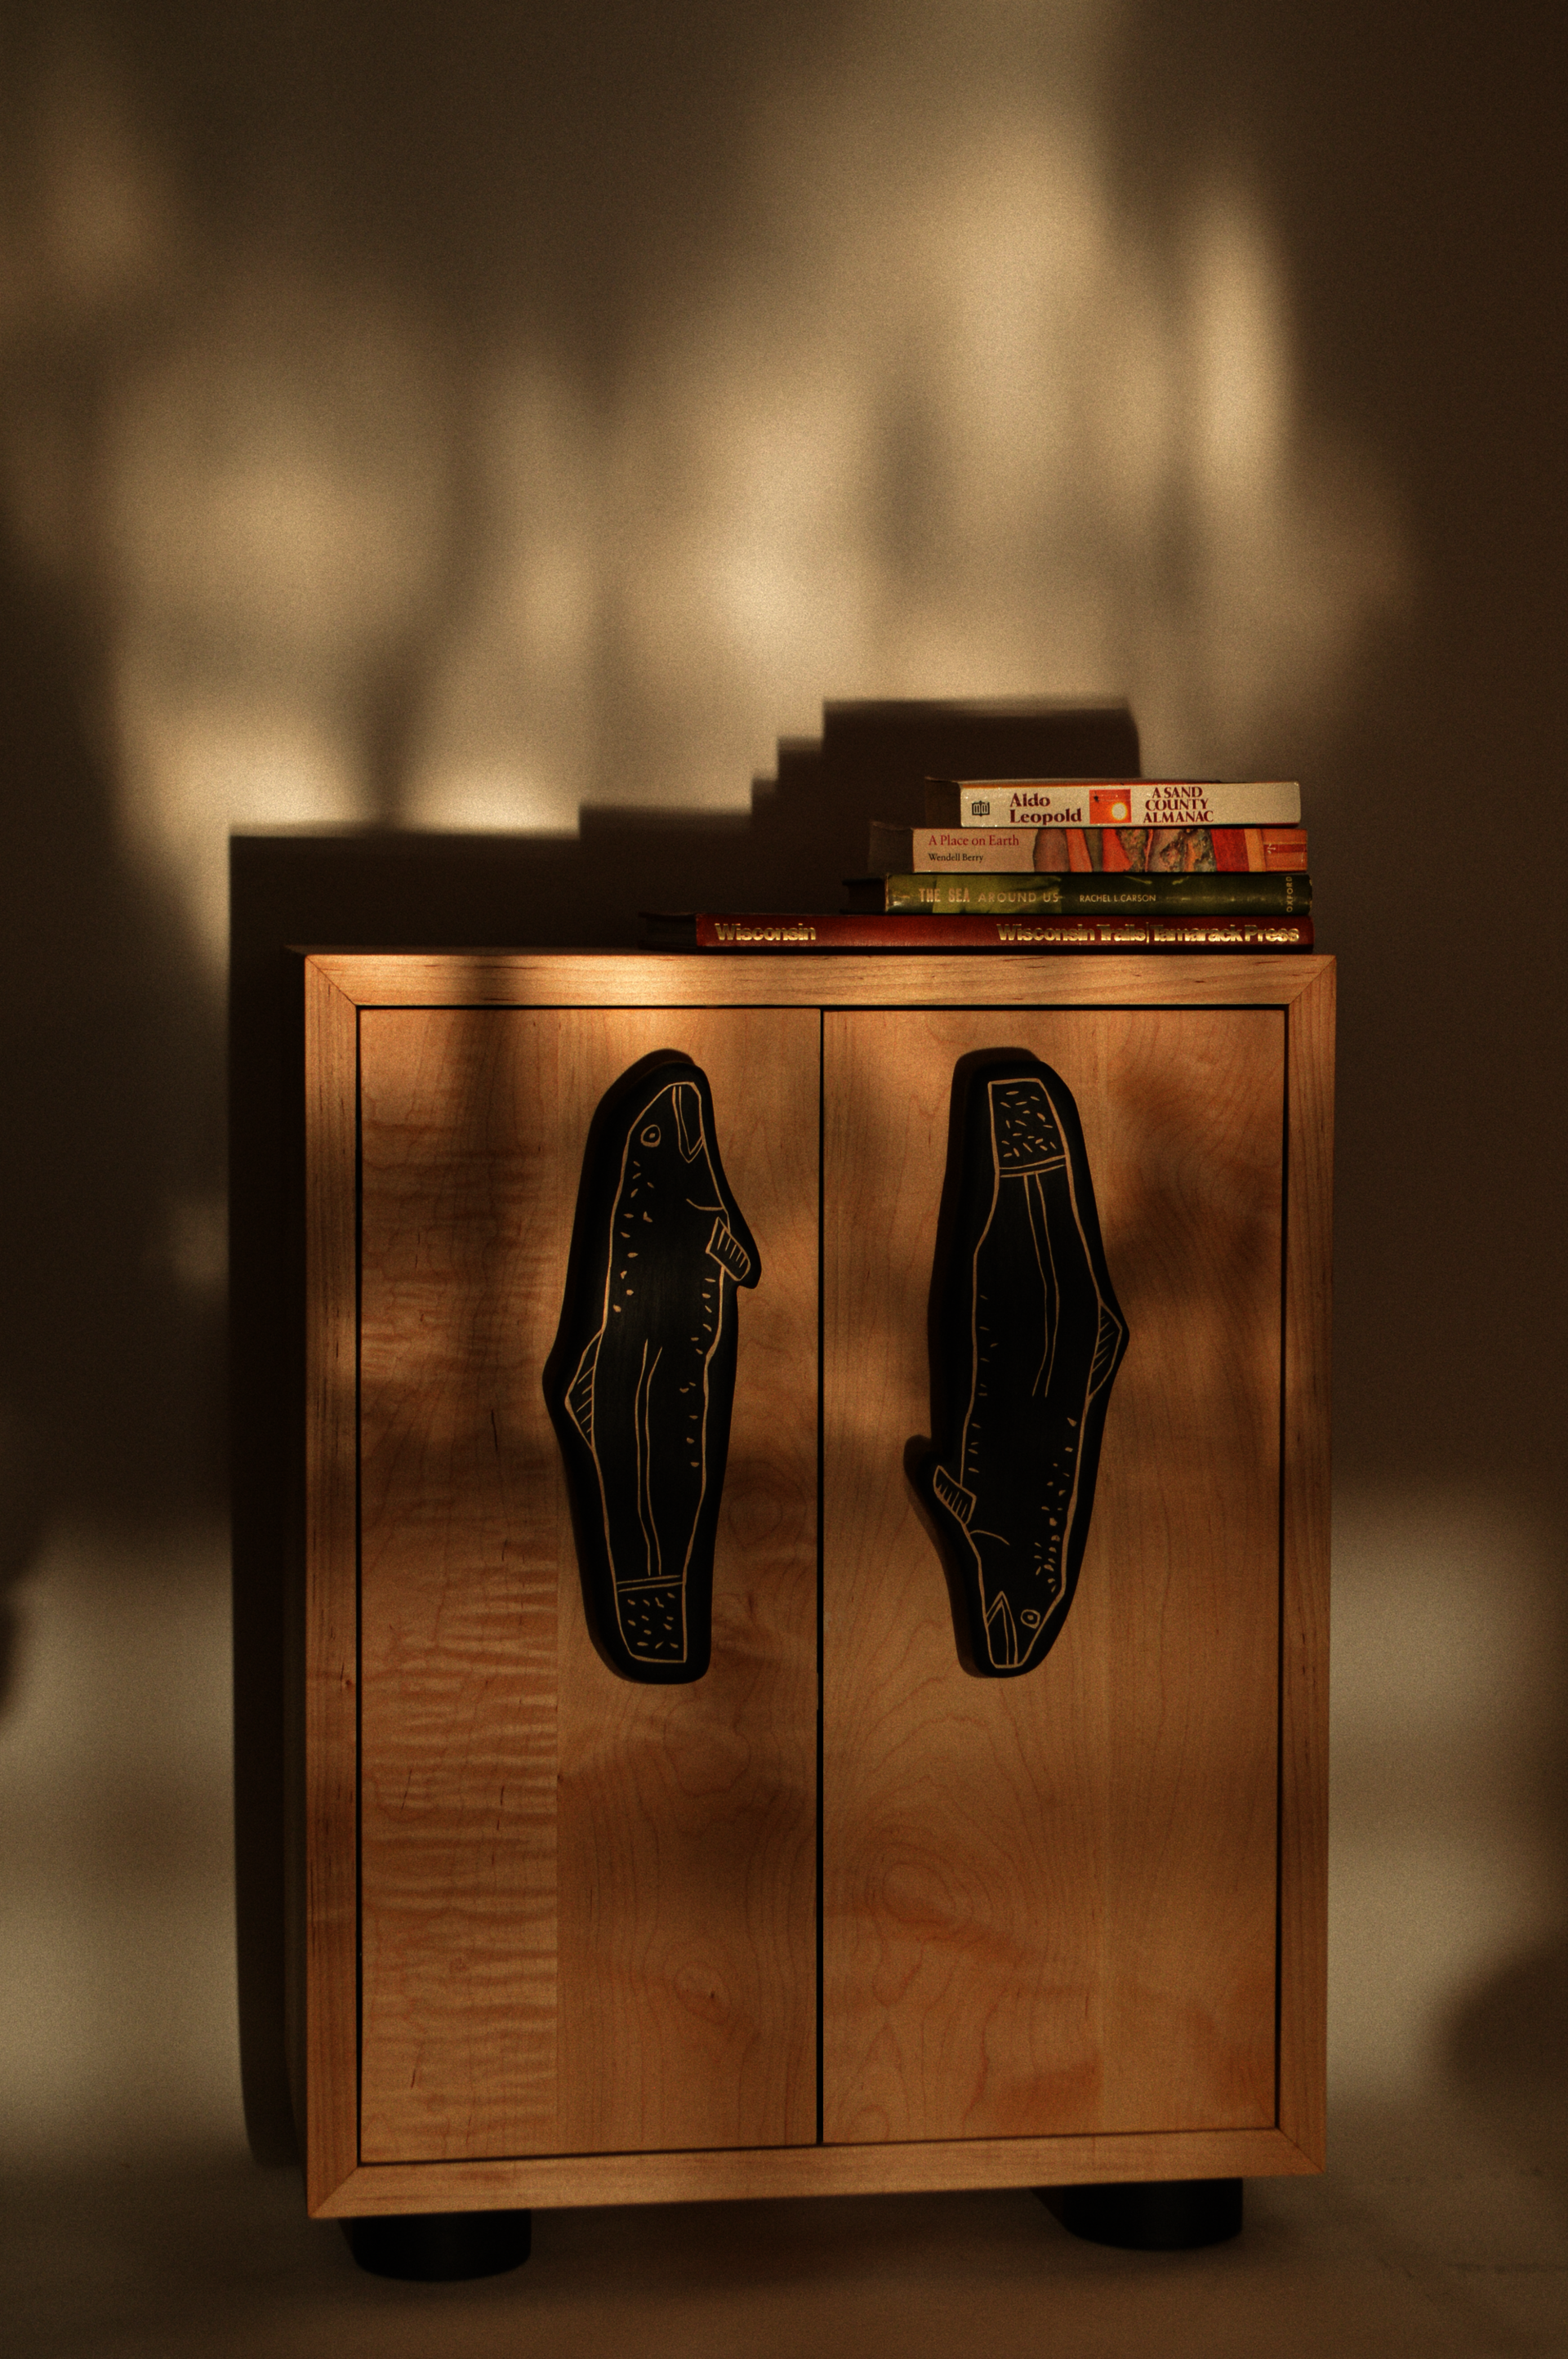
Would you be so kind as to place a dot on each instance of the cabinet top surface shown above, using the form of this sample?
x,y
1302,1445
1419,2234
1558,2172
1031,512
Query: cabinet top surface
x,y
616,978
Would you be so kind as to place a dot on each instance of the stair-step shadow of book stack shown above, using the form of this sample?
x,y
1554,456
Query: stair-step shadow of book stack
x,y
393,889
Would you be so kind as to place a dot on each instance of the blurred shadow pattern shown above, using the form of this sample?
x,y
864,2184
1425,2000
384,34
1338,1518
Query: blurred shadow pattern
x,y
469,421
111,1406
1509,2050
461,419
407,889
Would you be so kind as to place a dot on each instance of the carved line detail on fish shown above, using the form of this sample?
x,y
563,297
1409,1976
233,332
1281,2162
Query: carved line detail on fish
x,y
1027,1340
640,1381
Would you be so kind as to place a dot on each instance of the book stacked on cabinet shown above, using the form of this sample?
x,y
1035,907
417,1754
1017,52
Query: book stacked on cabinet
x,y
1058,864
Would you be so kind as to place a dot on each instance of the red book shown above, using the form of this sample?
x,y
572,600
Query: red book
x,y
769,931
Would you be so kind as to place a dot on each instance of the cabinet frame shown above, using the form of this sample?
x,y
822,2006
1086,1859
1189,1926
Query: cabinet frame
x,y
324,2028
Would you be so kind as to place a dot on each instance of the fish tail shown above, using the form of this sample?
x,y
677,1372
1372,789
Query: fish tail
x,y
1024,1128
652,1615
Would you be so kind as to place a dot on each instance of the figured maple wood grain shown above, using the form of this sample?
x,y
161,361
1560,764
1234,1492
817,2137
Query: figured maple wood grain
x,y
759,2172
1049,1902
457,1592
624,978
688,1814
331,1737
586,1906
681,1846
1303,1727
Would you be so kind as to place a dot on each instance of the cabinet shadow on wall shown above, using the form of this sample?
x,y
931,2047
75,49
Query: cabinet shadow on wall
x,y
397,890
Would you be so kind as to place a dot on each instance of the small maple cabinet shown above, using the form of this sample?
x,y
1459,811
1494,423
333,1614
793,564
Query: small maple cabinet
x,y
839,1915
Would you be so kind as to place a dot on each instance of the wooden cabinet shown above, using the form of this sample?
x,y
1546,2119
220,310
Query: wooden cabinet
x,y
839,1915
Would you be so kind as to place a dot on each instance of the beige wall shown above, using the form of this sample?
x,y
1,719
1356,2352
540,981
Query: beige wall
x,y
455,420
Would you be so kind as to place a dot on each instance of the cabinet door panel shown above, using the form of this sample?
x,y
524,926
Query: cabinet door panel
x,y
587,1907
1049,1902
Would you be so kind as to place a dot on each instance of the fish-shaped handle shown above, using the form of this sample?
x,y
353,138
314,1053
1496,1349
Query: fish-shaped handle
x,y
641,1380
1026,1341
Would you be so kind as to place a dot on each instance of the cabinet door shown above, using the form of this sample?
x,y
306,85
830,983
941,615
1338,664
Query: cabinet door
x,y
1049,1902
587,1907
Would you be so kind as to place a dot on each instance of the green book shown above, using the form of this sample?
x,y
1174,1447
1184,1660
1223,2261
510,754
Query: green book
x,y
1236,894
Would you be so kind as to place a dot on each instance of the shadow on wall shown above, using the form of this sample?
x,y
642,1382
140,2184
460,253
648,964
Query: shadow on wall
x,y
111,1398
1507,2051
455,419
409,890
465,419
1505,2043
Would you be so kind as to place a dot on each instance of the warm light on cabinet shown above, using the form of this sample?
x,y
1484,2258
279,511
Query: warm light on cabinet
x,y
838,1916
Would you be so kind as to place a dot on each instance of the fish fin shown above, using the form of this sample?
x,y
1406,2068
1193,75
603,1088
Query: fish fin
x,y
1109,1338
953,1496
580,1392
726,1249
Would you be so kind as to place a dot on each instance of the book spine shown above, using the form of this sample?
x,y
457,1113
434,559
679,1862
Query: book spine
x,y
1127,802
1025,894
769,933
1086,851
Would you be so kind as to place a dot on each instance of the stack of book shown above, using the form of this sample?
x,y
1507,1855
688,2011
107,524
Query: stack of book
x,y
1060,863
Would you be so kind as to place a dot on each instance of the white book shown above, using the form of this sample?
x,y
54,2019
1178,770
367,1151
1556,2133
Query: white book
x,y
1111,802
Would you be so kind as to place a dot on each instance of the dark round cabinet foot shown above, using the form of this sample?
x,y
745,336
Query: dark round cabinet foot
x,y
437,2247
1150,2215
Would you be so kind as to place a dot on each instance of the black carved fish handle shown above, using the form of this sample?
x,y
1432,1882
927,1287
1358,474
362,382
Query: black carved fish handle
x,y
1026,1340
641,1379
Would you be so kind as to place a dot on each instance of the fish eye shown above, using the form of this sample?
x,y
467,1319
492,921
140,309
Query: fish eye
x,y
1029,1619
650,1137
